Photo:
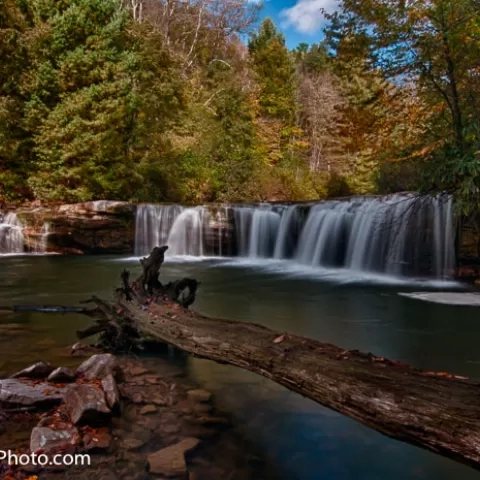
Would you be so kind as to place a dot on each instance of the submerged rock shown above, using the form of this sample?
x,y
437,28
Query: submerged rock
x,y
29,394
170,461
37,370
98,366
97,440
198,395
62,375
147,409
86,405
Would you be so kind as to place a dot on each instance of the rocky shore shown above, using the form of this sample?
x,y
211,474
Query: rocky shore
x,y
137,419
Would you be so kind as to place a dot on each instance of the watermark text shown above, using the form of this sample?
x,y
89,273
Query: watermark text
x,y
44,460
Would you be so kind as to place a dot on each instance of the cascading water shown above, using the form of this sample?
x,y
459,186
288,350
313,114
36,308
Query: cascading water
x,y
153,224
11,234
188,233
43,244
395,235
392,235
197,231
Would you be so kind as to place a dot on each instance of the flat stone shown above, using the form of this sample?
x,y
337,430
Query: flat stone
x,y
159,401
137,398
27,393
37,370
80,349
147,409
131,443
136,371
98,366
62,375
86,405
97,440
199,395
112,395
211,420
47,439
170,461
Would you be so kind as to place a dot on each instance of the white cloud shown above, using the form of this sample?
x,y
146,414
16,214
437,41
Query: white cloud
x,y
306,15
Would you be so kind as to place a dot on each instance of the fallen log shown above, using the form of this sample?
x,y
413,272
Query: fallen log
x,y
437,411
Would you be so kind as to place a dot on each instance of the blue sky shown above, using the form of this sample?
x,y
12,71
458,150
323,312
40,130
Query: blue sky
x,y
299,20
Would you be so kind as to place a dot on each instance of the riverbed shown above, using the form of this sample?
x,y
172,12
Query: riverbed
x,y
353,310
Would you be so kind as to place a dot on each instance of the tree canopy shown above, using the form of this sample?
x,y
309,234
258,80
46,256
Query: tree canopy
x,y
165,101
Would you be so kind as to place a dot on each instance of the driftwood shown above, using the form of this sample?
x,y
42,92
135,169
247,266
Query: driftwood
x,y
433,410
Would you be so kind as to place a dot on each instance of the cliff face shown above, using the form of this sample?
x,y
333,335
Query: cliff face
x,y
91,227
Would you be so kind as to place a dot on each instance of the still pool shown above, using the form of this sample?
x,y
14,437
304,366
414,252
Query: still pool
x,y
304,440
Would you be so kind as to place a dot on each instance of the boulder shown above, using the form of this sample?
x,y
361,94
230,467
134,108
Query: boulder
x,y
199,395
37,370
86,405
50,438
112,395
170,461
28,394
98,367
62,375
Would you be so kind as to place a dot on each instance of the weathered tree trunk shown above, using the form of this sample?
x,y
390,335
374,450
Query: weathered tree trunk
x,y
437,411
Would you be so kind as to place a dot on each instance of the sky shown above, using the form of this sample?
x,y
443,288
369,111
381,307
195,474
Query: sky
x,y
299,20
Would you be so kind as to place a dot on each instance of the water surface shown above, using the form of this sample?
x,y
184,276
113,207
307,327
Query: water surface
x,y
352,310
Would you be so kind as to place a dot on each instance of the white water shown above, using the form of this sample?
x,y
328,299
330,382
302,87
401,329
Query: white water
x,y
11,234
397,235
43,244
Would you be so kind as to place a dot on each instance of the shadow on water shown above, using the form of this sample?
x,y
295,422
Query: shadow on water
x,y
303,439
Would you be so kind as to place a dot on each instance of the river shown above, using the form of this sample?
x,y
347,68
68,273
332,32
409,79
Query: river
x,y
303,439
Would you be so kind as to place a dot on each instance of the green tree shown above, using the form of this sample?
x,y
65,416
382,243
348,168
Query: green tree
x,y
88,91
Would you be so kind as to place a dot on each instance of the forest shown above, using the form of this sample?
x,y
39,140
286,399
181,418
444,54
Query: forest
x,y
198,101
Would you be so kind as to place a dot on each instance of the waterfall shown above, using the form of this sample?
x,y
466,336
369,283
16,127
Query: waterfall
x,y
43,244
400,234
153,224
11,234
188,232
396,235
197,231
285,242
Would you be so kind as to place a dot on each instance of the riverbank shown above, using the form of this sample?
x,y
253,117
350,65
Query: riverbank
x,y
166,428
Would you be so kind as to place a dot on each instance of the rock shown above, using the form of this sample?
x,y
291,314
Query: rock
x,y
98,366
37,370
131,443
203,408
136,371
159,401
62,375
97,440
48,439
198,395
86,405
170,461
210,420
137,398
147,409
27,393
112,395
82,350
